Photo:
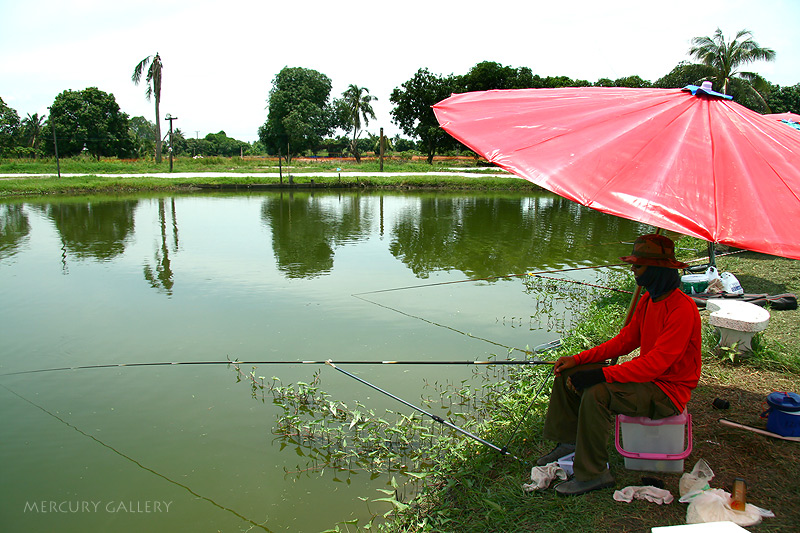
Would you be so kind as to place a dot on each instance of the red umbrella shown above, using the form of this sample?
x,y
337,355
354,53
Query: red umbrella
x,y
791,117
697,164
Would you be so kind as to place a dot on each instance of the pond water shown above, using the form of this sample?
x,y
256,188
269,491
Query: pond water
x,y
275,276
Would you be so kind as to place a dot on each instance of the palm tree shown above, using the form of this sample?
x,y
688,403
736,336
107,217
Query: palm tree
x,y
724,59
358,104
33,125
153,81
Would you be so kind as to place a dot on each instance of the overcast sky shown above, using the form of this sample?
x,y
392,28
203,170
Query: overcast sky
x,y
220,57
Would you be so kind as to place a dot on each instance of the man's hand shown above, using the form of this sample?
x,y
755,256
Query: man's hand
x,y
564,363
583,379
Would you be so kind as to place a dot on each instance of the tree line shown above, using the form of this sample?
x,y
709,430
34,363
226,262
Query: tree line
x,y
302,117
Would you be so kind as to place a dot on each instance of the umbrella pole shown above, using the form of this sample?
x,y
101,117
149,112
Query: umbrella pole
x,y
632,307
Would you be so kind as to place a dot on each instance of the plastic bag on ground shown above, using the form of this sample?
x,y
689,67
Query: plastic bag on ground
x,y
695,481
713,505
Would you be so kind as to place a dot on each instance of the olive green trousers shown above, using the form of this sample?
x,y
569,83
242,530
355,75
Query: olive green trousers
x,y
586,418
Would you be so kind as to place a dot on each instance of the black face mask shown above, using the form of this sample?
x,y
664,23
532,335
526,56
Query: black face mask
x,y
659,280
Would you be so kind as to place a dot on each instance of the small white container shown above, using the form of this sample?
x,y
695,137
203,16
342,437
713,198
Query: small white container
x,y
566,463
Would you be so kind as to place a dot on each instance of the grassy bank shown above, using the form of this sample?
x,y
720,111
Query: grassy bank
x,y
480,491
86,165
81,175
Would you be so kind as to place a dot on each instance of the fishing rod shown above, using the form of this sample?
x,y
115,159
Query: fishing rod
x,y
285,362
437,418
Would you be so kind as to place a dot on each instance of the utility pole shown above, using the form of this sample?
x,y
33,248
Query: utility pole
x,y
381,149
55,142
170,118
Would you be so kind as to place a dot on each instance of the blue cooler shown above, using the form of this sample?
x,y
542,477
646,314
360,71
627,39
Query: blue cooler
x,y
783,415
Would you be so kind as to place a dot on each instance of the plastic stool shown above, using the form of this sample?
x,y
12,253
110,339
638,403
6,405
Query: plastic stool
x,y
654,445
737,322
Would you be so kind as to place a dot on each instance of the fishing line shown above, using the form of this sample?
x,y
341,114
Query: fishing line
x,y
582,283
489,278
451,328
137,463
436,418
540,348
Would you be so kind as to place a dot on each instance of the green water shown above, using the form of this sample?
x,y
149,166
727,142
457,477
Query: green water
x,y
108,280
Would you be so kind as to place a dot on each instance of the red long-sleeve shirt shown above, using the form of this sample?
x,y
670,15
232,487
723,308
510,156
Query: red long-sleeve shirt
x,y
668,333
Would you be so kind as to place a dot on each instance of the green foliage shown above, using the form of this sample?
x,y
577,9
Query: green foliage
x,y
490,75
90,119
9,129
784,99
684,73
414,114
354,107
299,114
726,57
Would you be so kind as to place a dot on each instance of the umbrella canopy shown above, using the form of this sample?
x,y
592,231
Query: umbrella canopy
x,y
791,117
697,164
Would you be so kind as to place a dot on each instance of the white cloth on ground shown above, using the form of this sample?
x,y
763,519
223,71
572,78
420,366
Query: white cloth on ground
x,y
542,476
648,493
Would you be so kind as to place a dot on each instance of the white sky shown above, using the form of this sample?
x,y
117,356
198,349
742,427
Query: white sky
x,y
220,57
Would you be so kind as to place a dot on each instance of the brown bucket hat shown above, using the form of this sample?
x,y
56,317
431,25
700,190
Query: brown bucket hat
x,y
654,250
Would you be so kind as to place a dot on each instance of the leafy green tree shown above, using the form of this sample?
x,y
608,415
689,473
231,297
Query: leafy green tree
x,y
684,73
357,106
555,82
399,144
143,133
90,119
632,81
299,114
414,114
784,99
489,75
9,128
153,80
222,145
724,58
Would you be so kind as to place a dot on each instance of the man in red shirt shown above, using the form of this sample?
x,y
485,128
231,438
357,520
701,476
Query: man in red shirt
x,y
588,393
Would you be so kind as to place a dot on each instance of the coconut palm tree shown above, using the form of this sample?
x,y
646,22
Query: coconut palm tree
x,y
153,80
32,126
359,107
724,58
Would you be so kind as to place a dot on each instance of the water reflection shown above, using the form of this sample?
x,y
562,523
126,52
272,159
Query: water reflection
x,y
495,235
95,229
160,276
306,228
14,228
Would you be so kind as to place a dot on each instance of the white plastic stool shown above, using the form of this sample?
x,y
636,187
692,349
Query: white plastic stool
x,y
737,322
654,445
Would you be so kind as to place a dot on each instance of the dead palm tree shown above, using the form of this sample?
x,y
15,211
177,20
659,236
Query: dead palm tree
x,y
153,80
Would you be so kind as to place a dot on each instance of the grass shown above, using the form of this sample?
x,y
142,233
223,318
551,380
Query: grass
x,y
85,175
483,491
85,165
